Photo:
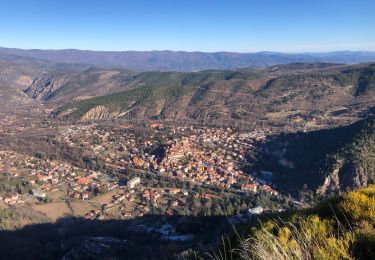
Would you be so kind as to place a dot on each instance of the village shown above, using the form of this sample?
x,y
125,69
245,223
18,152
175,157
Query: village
x,y
207,156
166,170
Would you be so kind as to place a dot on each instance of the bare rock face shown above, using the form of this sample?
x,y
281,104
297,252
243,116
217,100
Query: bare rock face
x,y
345,176
44,87
97,113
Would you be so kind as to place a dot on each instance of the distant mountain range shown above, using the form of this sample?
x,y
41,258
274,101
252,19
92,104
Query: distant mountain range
x,y
183,61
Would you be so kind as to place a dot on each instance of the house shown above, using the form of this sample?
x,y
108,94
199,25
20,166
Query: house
x,y
174,203
132,183
83,181
85,196
127,214
172,191
255,211
249,187
11,200
156,126
38,193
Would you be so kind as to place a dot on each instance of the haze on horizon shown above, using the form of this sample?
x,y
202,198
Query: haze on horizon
x,y
244,26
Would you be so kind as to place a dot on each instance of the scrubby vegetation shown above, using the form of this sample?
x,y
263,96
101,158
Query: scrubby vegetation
x,y
15,218
150,89
362,80
245,96
341,228
348,148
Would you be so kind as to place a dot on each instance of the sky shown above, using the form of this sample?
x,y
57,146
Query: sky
x,y
189,25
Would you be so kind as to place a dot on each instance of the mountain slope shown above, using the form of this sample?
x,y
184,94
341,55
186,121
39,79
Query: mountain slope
x,y
238,95
324,162
344,157
63,85
173,95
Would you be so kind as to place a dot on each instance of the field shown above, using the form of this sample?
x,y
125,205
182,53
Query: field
x,y
54,210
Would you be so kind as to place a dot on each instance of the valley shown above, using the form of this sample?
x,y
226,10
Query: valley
x,y
154,161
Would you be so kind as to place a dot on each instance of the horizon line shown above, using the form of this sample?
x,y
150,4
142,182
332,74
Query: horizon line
x,y
188,51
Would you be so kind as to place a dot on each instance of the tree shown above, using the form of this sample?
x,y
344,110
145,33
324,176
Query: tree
x,y
229,210
218,211
207,212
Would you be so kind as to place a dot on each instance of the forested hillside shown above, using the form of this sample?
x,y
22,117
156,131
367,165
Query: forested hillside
x,y
324,162
244,95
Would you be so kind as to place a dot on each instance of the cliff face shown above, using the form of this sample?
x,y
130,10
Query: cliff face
x,y
43,88
345,177
67,86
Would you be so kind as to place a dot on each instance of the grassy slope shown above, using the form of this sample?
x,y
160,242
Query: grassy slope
x,y
342,228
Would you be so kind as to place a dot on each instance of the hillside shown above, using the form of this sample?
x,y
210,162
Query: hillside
x,y
334,160
17,74
175,95
186,61
67,85
342,228
239,95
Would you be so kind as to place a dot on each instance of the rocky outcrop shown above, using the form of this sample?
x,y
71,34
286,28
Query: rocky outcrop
x,y
345,176
354,162
97,113
43,88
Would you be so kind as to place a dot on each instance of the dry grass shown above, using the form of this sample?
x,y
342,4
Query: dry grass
x,y
54,210
80,208
343,228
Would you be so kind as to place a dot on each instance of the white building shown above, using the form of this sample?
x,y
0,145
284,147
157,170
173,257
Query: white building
x,y
133,182
255,211
38,193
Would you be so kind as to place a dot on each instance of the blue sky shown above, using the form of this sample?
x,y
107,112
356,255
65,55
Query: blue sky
x,y
190,25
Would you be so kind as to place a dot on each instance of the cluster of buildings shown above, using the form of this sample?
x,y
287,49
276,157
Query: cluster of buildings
x,y
46,176
203,155
135,200
208,156
12,199
85,187
200,155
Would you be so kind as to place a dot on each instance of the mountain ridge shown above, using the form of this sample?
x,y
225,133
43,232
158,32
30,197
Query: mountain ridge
x,y
187,61
240,95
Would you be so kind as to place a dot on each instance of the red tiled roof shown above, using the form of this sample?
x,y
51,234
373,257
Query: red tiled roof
x,y
83,180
